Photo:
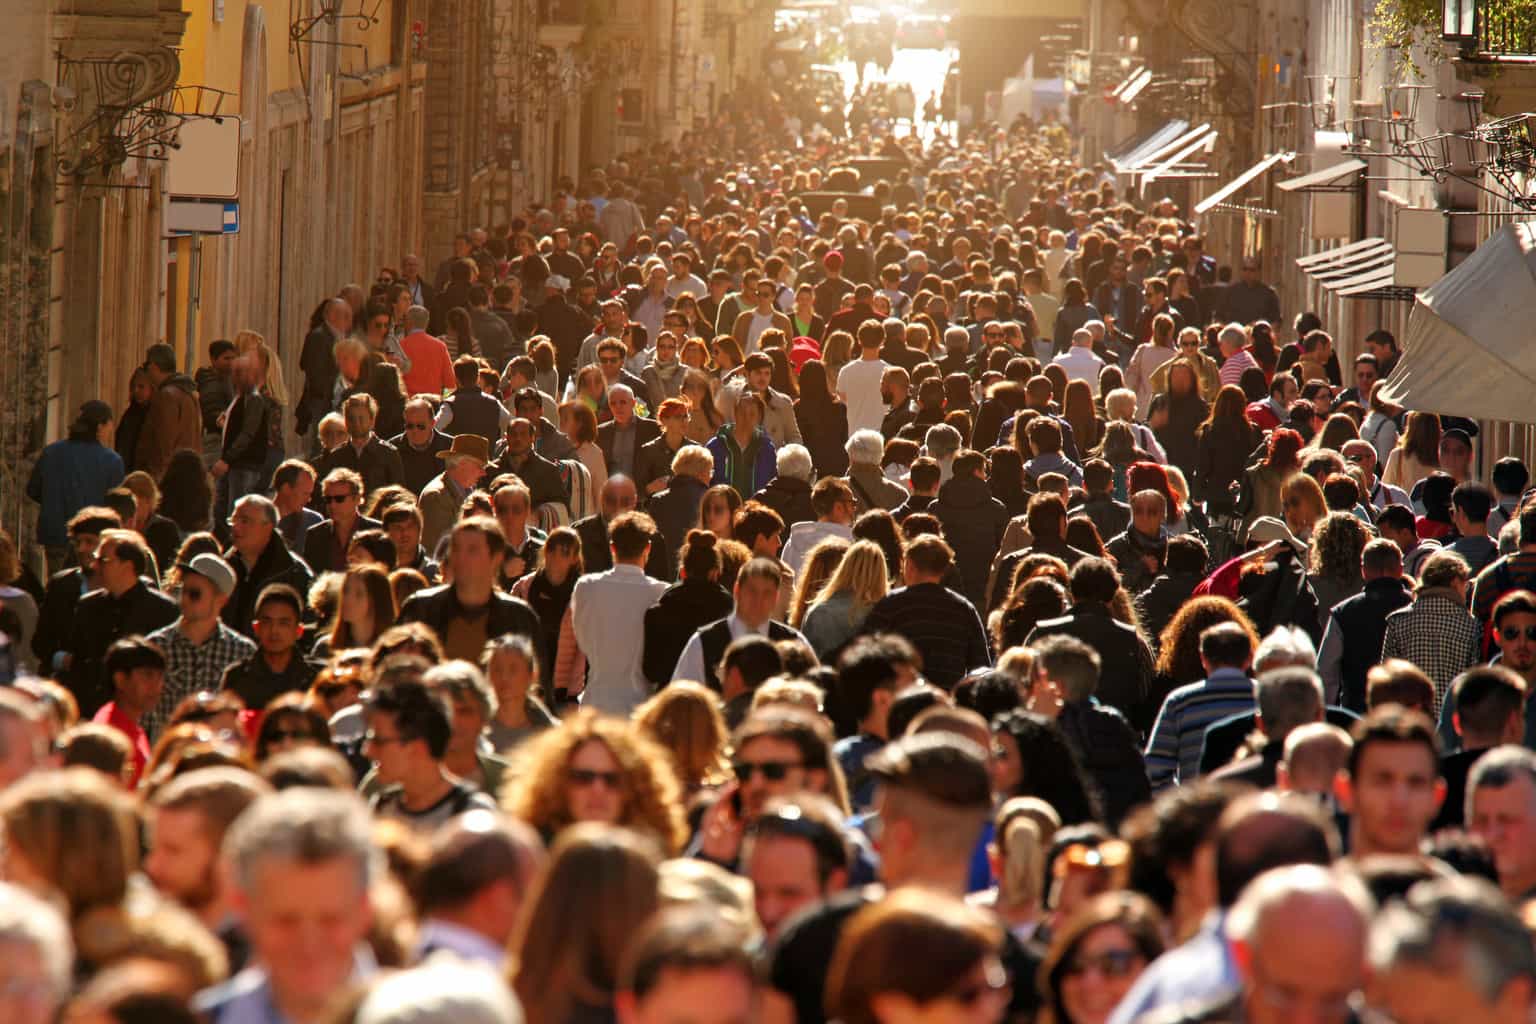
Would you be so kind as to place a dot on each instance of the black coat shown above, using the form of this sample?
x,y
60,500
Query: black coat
x,y
646,431
378,464
683,609
276,565
1178,435
1125,675
538,474
101,619
973,523
597,557
567,327
1160,602
790,498
1110,517
321,553
1220,459
420,466
824,431
654,462
676,509
318,362
435,606
1362,621
56,617
1111,753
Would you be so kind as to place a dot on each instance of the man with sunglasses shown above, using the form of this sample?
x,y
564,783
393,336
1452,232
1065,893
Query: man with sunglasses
x,y
418,445
409,727
198,646
276,667
520,459
1513,629
126,604
325,543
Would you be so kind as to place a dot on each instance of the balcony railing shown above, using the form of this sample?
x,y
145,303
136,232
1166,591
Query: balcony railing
x,y
1501,29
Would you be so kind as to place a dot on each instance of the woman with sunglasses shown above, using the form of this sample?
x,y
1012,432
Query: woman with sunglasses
x,y
958,978
292,720
598,769
380,337
1097,956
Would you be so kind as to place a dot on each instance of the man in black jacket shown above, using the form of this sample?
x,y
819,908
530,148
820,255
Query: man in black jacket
x,y
469,410
125,605
936,620
373,458
1109,516
1183,570
622,437
1122,654
260,558
564,324
419,444
277,667
470,611
318,361
56,618
538,474
1067,675
1357,625
618,495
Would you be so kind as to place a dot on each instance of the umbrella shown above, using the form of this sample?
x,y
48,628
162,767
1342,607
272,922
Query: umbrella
x,y
1468,348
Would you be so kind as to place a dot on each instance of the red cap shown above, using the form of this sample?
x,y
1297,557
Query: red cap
x,y
833,260
803,351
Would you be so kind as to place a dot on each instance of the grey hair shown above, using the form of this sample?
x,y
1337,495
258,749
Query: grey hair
x,y
1312,883
1071,664
941,440
866,447
625,389
441,990
459,678
26,920
262,502
1288,698
1285,647
417,317
1497,769
1096,328
1082,336
956,333
307,826
1119,399
1443,568
24,711
794,460
1465,915
1233,334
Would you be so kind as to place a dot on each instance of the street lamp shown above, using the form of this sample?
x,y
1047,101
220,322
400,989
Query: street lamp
x,y
1458,21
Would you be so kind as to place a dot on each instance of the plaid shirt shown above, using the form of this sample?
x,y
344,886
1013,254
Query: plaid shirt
x,y
190,667
1437,634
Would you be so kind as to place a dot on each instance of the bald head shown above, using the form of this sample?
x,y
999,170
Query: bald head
x,y
618,496
1264,831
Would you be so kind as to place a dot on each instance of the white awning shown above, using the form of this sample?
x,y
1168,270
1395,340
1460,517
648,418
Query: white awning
x,y
1202,138
1231,188
1318,180
1353,270
1131,156
1128,90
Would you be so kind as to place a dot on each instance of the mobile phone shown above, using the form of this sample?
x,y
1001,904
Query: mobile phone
x,y
736,803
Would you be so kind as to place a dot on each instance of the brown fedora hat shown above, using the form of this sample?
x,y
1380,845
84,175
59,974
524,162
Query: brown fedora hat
x,y
471,445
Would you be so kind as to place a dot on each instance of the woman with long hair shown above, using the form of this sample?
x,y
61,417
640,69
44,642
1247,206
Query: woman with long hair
x,y
365,611
1417,453
880,526
1119,449
822,419
388,391
549,587
1096,956
597,769
836,352
1077,408
717,510
1005,478
579,425
704,419
1075,311
1334,571
687,720
726,356
842,603
1260,493
1186,412
1033,758
1337,429
1178,659
600,886
820,564
460,335
1304,505
1031,602
1222,447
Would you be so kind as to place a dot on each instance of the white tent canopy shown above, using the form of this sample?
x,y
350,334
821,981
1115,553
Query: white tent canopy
x,y
1468,350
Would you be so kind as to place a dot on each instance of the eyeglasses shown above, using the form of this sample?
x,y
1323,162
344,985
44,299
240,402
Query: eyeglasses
x,y
772,771
337,499
1511,633
1114,963
584,777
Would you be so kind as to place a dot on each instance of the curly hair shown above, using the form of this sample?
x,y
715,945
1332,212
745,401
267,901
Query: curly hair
x,y
1336,546
1179,652
652,797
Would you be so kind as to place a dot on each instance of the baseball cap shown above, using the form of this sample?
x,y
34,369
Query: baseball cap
x,y
213,569
832,260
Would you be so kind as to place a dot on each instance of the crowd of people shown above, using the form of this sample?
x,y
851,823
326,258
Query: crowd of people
x,y
699,602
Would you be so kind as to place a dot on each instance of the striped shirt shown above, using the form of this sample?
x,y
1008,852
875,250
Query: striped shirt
x,y
1237,362
1173,753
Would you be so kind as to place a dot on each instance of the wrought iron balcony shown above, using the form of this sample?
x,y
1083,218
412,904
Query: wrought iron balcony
x,y
1492,30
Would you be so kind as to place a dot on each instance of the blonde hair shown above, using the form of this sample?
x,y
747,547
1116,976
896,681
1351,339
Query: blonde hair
x,y
820,564
1120,404
862,572
795,693
686,719
143,487
1021,884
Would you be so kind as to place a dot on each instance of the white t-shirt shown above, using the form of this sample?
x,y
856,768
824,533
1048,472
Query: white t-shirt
x,y
760,323
859,381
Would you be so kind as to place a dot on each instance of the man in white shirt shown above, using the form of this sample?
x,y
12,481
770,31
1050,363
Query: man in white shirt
x,y
832,501
858,383
1079,361
757,595
608,615
683,279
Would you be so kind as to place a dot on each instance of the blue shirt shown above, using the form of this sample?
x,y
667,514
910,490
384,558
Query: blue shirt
x,y
68,476
1173,752
1201,969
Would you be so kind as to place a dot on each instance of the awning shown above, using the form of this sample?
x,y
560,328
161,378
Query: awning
x,y
1167,163
1231,188
1324,180
1356,270
1130,155
1467,349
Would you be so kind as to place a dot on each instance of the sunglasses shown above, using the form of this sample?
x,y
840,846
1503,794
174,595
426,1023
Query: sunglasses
x,y
418,426
1511,633
1116,963
337,499
583,777
1106,856
772,771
